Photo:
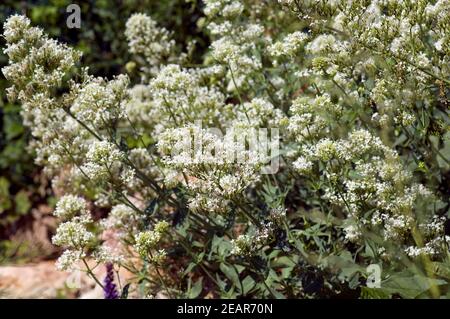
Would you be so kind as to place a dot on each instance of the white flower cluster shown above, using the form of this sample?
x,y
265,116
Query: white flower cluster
x,y
149,240
228,8
147,39
289,45
363,174
68,260
100,102
250,244
73,233
244,245
122,218
104,162
70,206
200,154
36,63
179,99
354,88
236,44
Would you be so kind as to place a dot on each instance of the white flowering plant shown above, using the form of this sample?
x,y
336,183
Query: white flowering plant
x,y
358,94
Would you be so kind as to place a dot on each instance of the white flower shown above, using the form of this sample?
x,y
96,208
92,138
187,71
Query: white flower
x,y
302,165
99,102
243,246
106,254
73,234
121,216
148,240
325,149
69,206
69,259
289,45
146,38
321,44
352,233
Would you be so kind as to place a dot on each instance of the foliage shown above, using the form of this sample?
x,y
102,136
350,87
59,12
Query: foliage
x,y
358,92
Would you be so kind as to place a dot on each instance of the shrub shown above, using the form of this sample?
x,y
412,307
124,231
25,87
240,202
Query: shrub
x,y
358,93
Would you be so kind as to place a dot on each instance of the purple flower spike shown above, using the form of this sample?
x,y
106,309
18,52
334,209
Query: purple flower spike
x,y
109,287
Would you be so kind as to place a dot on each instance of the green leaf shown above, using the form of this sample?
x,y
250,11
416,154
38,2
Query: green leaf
x,y
274,254
196,289
200,257
222,284
189,268
283,261
219,246
286,272
197,244
13,128
23,204
343,265
5,202
272,277
410,286
369,250
445,151
374,293
442,269
231,274
248,284
124,294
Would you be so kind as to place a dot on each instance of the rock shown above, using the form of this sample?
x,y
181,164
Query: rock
x,y
43,280
31,281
